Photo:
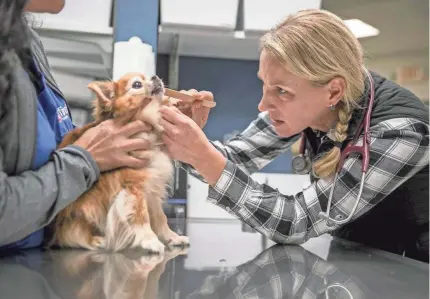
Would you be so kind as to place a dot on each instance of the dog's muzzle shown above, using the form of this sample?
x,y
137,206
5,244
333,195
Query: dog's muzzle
x,y
157,85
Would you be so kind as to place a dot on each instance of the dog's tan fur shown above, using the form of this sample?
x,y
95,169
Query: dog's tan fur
x,y
124,208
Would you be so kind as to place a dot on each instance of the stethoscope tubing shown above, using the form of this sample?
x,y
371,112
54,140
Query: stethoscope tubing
x,y
331,221
363,150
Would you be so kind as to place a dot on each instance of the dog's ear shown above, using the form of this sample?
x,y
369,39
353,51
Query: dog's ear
x,y
105,92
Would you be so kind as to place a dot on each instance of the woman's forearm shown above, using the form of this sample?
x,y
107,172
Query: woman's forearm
x,y
210,165
30,200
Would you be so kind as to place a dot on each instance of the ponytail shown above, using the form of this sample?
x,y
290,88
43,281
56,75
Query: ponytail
x,y
326,165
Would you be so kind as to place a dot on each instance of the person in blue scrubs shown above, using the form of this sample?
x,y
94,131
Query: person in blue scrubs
x,y
53,122
102,148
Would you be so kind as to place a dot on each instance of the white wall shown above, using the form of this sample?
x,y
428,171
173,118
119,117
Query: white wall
x,y
386,66
213,241
213,244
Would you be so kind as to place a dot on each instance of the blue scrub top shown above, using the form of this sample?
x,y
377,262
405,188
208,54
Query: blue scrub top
x,y
53,122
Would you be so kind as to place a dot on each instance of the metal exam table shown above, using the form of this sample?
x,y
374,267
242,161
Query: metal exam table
x,y
226,259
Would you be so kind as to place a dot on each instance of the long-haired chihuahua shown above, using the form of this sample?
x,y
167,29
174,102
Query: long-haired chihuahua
x,y
124,207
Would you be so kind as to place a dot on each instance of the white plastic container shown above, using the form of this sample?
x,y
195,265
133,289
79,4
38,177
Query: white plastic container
x,y
133,56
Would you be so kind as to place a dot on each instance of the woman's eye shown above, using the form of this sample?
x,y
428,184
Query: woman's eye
x,y
281,91
137,85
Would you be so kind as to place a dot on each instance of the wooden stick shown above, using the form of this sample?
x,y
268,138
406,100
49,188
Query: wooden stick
x,y
187,98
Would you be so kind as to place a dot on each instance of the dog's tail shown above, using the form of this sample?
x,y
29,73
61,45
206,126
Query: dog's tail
x,y
119,233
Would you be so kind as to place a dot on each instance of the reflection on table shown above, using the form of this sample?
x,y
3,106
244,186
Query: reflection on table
x,y
348,271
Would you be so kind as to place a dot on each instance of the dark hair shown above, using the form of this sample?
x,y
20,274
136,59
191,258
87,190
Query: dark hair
x,y
14,42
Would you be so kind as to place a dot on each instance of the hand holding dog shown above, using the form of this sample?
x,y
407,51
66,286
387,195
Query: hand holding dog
x,y
110,142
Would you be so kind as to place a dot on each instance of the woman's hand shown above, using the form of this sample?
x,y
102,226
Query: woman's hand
x,y
110,142
196,111
186,142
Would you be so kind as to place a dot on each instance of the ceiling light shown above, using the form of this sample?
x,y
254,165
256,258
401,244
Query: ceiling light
x,y
361,29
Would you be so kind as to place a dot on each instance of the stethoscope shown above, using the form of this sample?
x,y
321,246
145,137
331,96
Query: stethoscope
x,y
301,163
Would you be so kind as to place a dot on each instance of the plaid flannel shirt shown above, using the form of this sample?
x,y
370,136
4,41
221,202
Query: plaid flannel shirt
x,y
282,272
398,150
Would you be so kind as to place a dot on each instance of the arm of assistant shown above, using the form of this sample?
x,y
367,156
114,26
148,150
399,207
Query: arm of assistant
x,y
398,150
30,200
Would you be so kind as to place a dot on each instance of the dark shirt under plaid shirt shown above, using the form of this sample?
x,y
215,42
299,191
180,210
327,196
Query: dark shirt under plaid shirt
x,y
398,150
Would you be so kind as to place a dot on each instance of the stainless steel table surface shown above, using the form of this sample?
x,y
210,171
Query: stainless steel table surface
x,y
226,259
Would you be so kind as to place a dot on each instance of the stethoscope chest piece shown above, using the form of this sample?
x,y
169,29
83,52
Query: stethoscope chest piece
x,y
301,164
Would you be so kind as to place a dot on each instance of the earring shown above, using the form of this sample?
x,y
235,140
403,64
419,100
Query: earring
x,y
331,107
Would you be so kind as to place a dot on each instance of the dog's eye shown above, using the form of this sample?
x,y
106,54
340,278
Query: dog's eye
x,y
137,85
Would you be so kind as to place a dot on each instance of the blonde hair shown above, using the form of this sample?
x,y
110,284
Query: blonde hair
x,y
318,46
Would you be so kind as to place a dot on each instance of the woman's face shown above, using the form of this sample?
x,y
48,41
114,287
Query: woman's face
x,y
294,103
45,6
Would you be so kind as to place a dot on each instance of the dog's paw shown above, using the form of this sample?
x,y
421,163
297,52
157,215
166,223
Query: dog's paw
x,y
174,251
153,245
98,242
147,263
178,241
151,259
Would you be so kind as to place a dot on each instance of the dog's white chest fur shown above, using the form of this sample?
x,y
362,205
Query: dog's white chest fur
x,y
160,165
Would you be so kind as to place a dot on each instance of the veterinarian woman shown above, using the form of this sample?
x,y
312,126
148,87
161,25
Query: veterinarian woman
x,y
315,85
36,180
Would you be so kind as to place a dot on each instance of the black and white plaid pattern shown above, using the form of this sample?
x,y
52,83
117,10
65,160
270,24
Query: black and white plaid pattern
x,y
398,150
282,272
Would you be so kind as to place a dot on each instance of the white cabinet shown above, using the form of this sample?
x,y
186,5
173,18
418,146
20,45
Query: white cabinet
x,y
261,16
198,14
80,15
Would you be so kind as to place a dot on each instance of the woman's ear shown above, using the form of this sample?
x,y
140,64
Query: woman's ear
x,y
105,92
336,88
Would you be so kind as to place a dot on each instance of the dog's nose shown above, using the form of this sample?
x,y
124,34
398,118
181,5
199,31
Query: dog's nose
x,y
157,84
156,80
